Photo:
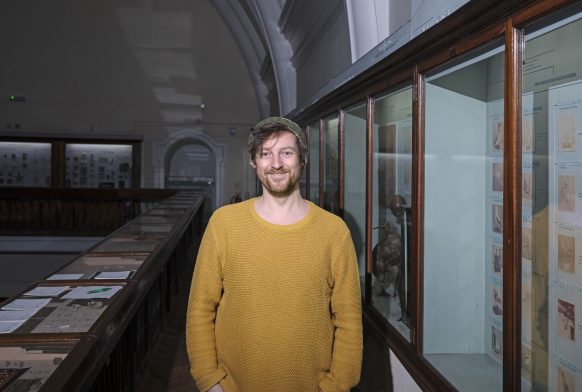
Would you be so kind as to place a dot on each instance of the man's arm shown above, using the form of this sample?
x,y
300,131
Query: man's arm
x,y
346,307
205,294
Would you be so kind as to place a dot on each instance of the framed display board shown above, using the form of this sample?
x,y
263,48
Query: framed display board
x,y
68,161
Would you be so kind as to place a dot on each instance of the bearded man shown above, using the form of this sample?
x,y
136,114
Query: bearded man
x,y
275,303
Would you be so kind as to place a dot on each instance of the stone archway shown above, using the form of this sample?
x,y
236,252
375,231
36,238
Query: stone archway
x,y
163,151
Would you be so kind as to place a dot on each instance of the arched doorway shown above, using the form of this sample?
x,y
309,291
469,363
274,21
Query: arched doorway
x,y
192,165
162,153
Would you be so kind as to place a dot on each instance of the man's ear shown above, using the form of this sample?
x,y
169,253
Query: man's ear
x,y
252,164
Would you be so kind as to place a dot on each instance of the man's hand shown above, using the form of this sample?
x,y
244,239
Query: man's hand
x,y
216,388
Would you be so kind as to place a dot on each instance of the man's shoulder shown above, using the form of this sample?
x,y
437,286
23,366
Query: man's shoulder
x,y
232,211
328,219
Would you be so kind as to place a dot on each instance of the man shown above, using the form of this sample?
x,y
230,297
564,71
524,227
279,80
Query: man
x,y
275,298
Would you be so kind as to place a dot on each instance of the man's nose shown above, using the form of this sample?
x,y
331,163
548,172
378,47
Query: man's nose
x,y
277,162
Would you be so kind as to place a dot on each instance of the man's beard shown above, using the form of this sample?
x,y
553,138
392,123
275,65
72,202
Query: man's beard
x,y
276,189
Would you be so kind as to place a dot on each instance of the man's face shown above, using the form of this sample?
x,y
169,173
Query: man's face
x,y
278,165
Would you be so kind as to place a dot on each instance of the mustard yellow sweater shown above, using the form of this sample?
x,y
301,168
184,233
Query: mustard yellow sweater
x,y
275,308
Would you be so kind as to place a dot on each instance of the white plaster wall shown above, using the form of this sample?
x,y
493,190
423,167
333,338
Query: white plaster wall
x,y
126,67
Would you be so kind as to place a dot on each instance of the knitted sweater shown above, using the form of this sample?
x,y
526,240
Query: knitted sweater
x,y
275,308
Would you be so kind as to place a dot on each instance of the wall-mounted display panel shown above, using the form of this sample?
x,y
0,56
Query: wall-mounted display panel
x,y
98,165
391,208
331,164
24,164
552,208
463,220
314,143
355,180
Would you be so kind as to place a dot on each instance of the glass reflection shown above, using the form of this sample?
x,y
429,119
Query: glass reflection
x,y
303,178
463,221
392,199
331,165
355,179
551,190
314,162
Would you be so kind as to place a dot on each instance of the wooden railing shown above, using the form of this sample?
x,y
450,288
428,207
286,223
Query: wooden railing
x,y
109,353
72,211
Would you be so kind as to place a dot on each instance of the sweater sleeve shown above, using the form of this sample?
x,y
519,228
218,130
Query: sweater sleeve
x,y
205,294
346,309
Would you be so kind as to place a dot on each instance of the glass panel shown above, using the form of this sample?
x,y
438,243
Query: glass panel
x,y
303,178
27,366
552,209
463,224
391,213
98,165
331,165
314,162
355,180
93,265
25,164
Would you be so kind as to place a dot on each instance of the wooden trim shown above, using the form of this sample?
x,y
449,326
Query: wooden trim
x,y
420,370
369,199
58,164
341,161
512,210
321,162
307,167
136,164
154,194
463,47
416,322
541,8
472,19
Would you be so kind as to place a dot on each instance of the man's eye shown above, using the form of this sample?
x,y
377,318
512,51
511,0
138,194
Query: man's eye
x,y
288,153
265,154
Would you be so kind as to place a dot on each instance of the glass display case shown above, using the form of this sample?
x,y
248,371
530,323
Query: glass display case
x,y
391,208
24,164
304,175
25,367
98,166
139,244
463,219
314,143
57,308
552,207
98,266
472,192
355,119
331,164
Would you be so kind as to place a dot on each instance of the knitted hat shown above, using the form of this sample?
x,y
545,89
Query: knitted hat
x,y
290,125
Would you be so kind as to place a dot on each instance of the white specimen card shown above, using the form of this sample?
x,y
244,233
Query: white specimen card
x,y
16,315
113,275
92,292
65,277
27,304
10,326
47,291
